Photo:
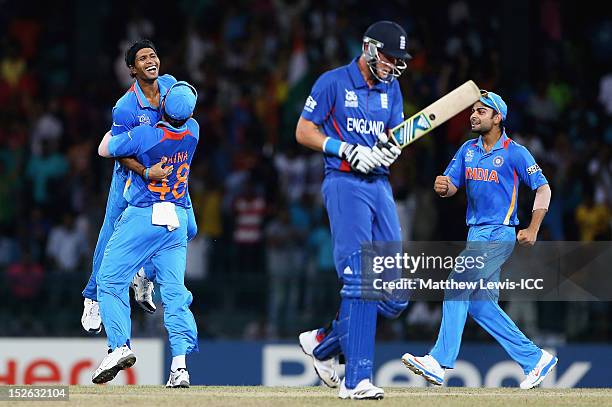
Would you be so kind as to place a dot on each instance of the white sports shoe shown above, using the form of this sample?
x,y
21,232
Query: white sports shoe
x,y
179,378
365,390
546,363
119,359
426,366
325,369
91,320
143,291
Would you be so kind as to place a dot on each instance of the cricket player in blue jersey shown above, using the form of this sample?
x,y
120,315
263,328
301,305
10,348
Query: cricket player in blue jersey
x,y
347,116
152,228
141,105
490,168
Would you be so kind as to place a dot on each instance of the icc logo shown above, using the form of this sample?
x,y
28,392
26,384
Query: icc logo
x,y
144,119
350,99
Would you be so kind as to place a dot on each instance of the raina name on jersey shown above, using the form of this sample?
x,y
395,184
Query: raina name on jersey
x,y
178,157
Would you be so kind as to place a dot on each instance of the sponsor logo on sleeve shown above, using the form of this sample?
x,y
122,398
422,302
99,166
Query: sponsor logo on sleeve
x,y
310,104
533,169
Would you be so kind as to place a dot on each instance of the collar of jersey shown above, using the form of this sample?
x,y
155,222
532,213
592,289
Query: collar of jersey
x,y
358,80
142,100
498,145
167,125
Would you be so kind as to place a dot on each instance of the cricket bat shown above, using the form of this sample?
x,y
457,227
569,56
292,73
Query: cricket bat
x,y
435,114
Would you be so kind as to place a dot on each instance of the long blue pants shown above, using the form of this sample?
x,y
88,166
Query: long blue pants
x,y
115,205
483,306
134,242
361,210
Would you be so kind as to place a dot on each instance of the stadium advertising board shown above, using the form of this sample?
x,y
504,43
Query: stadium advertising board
x,y
479,365
72,361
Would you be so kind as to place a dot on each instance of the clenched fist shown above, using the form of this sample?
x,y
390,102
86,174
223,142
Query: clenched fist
x,y
527,237
442,185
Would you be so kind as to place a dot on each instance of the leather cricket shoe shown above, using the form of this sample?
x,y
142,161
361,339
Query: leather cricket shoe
x,y
365,390
91,320
179,378
325,369
546,363
143,291
426,366
117,360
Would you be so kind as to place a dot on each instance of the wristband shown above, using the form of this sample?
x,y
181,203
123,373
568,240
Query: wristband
x,y
146,174
332,146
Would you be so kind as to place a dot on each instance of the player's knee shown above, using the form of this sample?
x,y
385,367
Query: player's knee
x,y
176,296
390,308
350,274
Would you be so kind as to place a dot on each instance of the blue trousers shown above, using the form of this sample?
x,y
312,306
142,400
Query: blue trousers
x,y
115,205
361,210
134,242
483,306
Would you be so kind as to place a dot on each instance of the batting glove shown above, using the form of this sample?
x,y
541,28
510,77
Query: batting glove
x,y
385,151
361,158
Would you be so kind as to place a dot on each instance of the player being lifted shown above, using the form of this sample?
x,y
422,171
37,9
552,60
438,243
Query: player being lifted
x,y
153,228
347,116
141,105
491,217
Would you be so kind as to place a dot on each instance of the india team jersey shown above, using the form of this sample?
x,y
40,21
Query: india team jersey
x,y
491,179
133,109
345,108
149,144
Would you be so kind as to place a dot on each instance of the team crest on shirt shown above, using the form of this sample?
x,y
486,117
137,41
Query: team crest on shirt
x,y
498,161
144,119
384,101
350,98
469,156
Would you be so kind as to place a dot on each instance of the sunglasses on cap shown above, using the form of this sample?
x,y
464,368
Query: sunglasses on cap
x,y
485,94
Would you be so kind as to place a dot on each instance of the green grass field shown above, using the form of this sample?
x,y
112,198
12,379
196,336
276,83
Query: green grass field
x,y
111,396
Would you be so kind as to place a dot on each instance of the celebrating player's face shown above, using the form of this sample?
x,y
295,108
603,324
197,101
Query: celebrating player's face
x,y
483,118
146,65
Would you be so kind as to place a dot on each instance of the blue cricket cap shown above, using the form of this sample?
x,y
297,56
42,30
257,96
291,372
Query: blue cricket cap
x,y
495,102
180,101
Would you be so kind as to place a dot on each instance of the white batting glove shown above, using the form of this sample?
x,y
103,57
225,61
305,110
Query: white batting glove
x,y
361,158
385,151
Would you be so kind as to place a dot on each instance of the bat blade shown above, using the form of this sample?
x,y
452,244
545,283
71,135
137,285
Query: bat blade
x,y
435,114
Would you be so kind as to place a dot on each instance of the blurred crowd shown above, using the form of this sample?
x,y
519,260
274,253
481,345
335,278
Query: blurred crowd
x,y
261,266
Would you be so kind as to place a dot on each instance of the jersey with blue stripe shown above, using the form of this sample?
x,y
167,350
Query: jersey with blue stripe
x,y
345,108
492,179
133,109
149,144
